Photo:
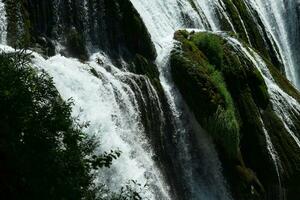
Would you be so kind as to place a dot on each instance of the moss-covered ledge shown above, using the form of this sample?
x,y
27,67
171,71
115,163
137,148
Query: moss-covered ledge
x,y
230,99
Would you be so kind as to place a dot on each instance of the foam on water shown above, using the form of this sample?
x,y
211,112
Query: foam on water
x,y
111,107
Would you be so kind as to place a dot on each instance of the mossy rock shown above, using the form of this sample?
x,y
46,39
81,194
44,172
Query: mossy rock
x,y
216,80
282,81
205,90
289,153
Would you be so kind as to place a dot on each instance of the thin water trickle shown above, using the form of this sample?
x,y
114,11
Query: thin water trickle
x,y
3,23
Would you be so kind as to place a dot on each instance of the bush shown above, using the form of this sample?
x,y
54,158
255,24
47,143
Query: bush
x,y
43,152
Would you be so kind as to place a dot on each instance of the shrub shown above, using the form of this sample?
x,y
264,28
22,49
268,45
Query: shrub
x,y
43,152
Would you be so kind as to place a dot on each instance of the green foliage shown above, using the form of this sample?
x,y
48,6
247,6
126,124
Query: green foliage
x,y
224,121
211,45
105,160
131,191
44,154
204,88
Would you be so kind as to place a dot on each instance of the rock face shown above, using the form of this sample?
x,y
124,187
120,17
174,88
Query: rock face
x,y
230,99
113,26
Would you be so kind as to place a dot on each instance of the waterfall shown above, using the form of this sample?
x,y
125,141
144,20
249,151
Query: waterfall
x,y
111,107
162,21
276,17
118,104
107,102
283,104
3,23
272,14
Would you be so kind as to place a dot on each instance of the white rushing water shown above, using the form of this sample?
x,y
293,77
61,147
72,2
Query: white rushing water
x,y
275,17
110,106
3,23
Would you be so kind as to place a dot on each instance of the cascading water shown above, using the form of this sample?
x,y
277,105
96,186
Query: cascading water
x,y
277,18
111,107
272,14
283,104
208,183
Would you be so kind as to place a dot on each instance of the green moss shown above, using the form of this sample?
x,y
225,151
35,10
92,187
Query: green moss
x,y
204,88
212,45
230,99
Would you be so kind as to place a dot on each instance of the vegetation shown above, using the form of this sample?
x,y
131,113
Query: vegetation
x,y
203,86
44,153
211,45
